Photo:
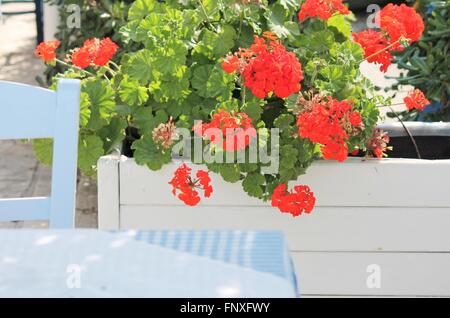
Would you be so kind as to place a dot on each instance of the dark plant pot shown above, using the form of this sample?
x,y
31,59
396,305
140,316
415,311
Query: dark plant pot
x,y
432,139
358,5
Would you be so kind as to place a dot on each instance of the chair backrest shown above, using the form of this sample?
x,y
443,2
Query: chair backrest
x,y
32,112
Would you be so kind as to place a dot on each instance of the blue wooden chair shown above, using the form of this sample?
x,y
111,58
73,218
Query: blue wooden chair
x,y
32,112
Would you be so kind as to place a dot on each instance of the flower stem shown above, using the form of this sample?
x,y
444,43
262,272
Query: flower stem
x,y
380,51
115,65
243,91
110,70
73,66
200,2
408,132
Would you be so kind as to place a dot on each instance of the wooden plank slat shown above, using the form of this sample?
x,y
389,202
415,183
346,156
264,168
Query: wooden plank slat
x,y
379,183
400,274
108,193
326,229
24,209
28,112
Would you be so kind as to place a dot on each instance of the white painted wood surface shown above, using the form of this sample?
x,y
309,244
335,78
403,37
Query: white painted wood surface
x,y
108,193
345,274
394,213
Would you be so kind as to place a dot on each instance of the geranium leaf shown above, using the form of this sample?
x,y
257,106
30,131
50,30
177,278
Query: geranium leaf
x,y
43,150
146,153
141,8
90,149
132,93
102,102
140,67
253,183
230,172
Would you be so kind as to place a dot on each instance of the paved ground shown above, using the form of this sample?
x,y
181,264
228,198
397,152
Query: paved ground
x,y
20,174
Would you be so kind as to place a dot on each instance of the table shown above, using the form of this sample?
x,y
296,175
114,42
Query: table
x,y
91,263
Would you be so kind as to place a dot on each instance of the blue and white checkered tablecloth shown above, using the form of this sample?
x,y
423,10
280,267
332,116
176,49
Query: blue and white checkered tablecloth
x,y
264,251
91,263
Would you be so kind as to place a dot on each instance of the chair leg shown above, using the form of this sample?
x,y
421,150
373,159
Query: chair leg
x,y
39,20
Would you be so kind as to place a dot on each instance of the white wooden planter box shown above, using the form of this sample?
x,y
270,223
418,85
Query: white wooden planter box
x,y
386,219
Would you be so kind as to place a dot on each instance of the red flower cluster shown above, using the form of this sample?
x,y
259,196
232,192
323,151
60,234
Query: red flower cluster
x,y
396,22
300,200
230,130
416,100
401,21
378,144
46,50
372,42
267,67
329,123
323,9
183,182
94,52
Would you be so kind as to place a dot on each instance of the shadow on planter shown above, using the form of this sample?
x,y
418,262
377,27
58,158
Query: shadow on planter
x,y
433,140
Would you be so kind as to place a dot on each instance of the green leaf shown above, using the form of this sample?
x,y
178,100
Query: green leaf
x,y
171,58
341,24
141,8
216,45
253,183
277,19
284,121
132,93
146,153
140,67
113,134
171,87
248,167
253,109
212,81
288,156
143,120
43,150
90,149
85,112
289,4
211,7
102,102
230,172
317,42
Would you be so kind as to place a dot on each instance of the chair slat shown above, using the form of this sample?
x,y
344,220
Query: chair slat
x,y
31,112
26,111
25,209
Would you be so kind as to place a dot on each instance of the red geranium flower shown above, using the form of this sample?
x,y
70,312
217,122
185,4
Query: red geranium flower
x,y
372,42
300,200
46,50
267,67
401,21
330,122
81,57
106,52
230,64
416,100
230,130
182,182
396,22
94,52
323,9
